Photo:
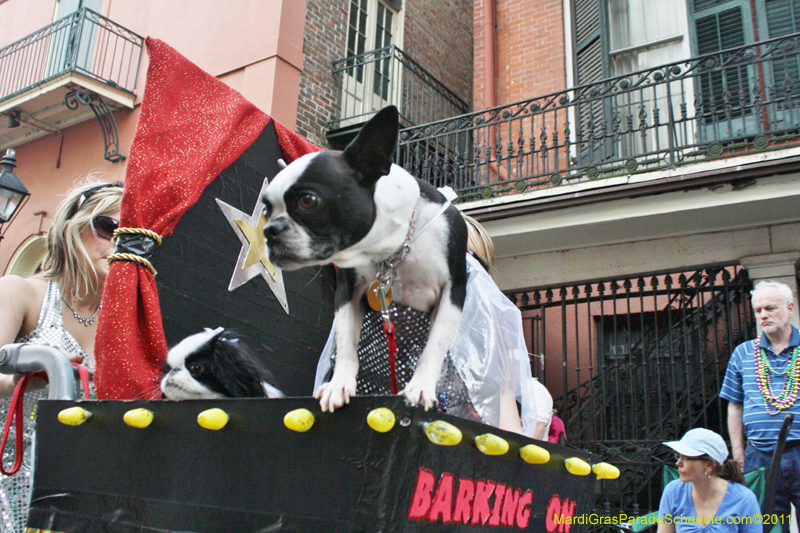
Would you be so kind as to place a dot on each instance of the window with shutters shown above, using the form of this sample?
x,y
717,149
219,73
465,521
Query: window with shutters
x,y
780,18
619,37
615,38
725,98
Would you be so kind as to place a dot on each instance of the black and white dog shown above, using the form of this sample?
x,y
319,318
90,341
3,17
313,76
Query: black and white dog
x,y
215,364
362,213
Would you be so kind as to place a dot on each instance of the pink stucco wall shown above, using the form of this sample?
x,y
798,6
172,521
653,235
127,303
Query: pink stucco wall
x,y
254,47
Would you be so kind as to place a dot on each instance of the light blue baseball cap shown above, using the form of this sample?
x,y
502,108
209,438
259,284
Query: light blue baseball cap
x,y
701,441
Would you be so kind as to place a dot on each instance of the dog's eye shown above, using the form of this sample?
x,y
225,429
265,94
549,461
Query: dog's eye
x,y
195,368
308,201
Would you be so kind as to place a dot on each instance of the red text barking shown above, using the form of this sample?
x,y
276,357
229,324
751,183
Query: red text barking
x,y
482,502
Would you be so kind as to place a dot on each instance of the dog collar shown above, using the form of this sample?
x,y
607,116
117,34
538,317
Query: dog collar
x,y
384,289
397,257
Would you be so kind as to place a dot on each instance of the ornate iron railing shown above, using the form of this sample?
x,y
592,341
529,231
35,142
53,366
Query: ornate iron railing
x,y
83,42
633,362
736,101
372,80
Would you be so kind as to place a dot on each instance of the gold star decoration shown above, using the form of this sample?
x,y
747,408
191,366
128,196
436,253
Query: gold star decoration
x,y
257,251
253,257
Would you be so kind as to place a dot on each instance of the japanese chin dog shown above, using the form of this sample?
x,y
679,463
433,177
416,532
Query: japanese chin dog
x,y
215,364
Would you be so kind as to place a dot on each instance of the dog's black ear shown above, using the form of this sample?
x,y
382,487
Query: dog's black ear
x,y
371,153
236,368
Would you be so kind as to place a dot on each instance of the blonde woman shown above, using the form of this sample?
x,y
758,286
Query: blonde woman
x,y
57,307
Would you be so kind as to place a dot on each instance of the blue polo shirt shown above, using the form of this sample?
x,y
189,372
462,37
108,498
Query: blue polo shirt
x,y
740,387
737,513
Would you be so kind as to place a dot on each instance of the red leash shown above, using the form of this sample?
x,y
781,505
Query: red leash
x,y
389,328
15,414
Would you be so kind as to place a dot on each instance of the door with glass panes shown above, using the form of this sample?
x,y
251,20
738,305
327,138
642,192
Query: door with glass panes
x,y
373,80
71,46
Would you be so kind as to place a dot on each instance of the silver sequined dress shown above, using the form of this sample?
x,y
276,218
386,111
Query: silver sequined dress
x,y
412,334
15,490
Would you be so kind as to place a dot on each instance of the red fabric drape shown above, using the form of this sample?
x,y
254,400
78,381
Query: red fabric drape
x,y
191,127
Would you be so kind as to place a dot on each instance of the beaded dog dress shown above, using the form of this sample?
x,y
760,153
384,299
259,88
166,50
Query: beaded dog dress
x,y
487,358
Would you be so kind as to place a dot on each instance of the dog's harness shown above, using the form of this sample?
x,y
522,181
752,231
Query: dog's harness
x,y
384,288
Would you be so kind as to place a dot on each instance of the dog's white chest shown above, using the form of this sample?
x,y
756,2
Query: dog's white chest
x,y
418,280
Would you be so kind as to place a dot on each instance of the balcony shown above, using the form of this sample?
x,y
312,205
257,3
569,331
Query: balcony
x,y
80,66
370,81
738,101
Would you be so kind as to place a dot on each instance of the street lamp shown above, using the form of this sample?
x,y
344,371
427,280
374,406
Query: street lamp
x,y
13,193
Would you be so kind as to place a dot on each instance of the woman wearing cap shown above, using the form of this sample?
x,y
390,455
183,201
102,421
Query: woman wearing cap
x,y
709,496
57,307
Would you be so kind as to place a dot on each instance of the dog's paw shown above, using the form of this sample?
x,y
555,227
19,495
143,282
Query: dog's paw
x,y
418,392
332,396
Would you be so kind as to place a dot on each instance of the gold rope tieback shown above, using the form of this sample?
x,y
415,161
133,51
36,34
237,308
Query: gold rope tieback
x,y
133,258
152,234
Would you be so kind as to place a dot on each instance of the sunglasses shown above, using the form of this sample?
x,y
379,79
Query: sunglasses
x,y
88,194
104,226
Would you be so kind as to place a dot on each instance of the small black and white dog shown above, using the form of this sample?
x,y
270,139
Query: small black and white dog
x,y
215,364
359,211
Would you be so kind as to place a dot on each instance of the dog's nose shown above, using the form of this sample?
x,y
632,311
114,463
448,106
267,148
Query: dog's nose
x,y
275,227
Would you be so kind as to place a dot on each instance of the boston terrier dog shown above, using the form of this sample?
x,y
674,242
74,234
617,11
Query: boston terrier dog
x,y
391,236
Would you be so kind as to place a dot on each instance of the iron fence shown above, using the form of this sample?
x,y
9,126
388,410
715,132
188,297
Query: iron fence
x,y
636,361
370,81
735,101
83,42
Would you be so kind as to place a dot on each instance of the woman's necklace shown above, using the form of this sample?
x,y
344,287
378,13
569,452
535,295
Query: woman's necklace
x,y
83,320
791,383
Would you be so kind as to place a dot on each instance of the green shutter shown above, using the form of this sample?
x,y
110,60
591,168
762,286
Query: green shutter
x,y
720,31
590,66
715,32
783,18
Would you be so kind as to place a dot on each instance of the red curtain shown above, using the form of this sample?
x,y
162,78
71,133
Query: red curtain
x,y
191,127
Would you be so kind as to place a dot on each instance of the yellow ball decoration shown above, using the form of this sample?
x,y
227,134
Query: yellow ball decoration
x,y
138,418
491,444
577,466
74,416
535,455
299,420
213,419
381,419
442,433
605,471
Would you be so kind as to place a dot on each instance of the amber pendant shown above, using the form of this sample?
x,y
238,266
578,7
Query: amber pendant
x,y
374,299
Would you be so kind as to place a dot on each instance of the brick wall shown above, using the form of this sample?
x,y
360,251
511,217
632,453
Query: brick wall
x,y
437,34
529,50
323,43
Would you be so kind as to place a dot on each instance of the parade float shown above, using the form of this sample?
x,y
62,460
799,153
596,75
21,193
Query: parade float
x,y
191,256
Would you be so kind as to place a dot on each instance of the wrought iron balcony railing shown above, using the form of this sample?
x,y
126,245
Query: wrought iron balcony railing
x,y
739,100
83,42
375,79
